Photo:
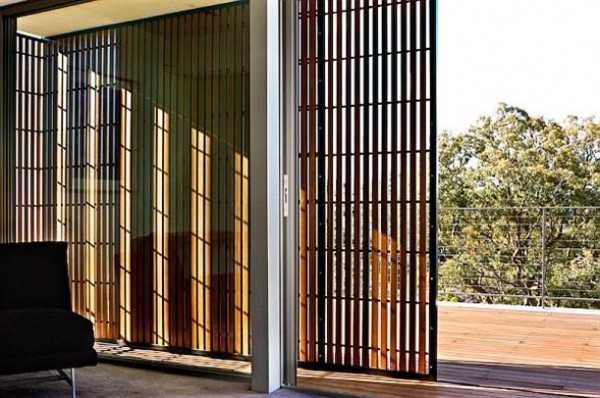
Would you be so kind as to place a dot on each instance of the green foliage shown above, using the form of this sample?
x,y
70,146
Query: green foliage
x,y
508,167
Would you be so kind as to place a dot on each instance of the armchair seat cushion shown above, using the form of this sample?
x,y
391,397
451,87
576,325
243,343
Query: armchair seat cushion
x,y
43,331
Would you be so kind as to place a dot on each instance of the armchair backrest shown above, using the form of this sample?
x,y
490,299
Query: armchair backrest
x,y
34,275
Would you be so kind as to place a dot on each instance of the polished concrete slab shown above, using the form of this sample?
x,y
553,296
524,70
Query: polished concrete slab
x,y
107,380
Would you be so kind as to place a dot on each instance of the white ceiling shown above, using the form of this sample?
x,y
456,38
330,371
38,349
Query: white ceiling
x,y
98,13
7,2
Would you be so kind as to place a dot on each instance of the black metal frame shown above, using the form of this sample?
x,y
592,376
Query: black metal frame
x,y
321,131
366,188
434,196
8,35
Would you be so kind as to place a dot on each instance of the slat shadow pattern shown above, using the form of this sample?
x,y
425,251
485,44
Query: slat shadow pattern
x,y
131,143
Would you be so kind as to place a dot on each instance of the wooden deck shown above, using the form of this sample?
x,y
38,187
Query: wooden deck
x,y
351,385
483,352
539,350
494,352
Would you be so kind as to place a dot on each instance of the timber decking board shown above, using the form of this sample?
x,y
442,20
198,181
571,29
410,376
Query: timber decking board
x,y
352,385
492,352
536,350
519,337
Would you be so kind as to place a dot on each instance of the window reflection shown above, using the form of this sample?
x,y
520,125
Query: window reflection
x,y
131,144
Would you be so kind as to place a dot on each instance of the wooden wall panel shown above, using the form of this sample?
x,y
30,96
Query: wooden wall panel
x,y
367,181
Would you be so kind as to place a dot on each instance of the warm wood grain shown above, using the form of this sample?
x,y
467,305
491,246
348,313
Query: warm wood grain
x,y
303,216
330,182
528,349
385,265
312,181
519,337
375,235
353,385
493,352
394,134
350,328
403,188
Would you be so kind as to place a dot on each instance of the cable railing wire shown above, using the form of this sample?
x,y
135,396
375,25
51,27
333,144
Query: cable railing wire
x,y
546,256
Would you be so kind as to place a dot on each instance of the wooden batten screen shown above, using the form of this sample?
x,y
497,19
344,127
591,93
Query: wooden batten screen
x,y
368,185
132,145
34,154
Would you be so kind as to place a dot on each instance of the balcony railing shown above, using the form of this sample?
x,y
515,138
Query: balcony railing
x,y
548,256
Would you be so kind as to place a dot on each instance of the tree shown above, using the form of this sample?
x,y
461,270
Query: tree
x,y
507,167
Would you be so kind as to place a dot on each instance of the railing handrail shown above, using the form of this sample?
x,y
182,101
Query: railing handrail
x,y
519,208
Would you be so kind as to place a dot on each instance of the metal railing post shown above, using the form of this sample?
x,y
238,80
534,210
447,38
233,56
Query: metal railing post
x,y
543,257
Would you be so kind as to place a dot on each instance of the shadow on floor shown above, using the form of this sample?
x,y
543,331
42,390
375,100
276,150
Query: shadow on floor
x,y
539,378
112,381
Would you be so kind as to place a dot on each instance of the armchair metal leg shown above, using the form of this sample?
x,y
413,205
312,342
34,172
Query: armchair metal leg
x,y
73,389
69,379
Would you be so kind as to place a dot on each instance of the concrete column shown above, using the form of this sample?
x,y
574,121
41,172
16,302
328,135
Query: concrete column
x,y
265,196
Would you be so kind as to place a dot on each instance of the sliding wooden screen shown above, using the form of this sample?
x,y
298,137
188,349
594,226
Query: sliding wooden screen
x,y
368,185
131,143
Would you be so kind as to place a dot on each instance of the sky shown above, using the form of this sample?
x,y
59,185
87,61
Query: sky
x,y
541,55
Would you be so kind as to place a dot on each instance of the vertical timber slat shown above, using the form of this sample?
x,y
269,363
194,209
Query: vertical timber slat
x,y
377,105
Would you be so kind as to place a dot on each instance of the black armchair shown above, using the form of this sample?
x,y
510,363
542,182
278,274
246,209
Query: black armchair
x,y
38,329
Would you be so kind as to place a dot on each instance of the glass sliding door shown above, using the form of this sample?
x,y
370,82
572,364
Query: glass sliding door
x,y
131,143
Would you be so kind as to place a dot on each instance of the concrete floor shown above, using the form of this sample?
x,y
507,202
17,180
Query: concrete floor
x,y
107,380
